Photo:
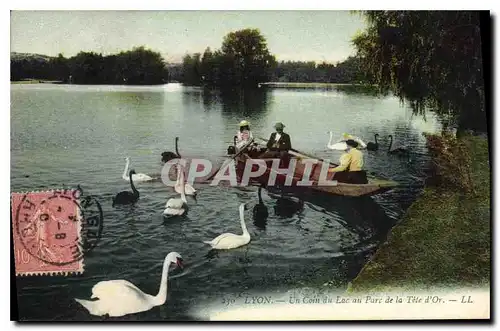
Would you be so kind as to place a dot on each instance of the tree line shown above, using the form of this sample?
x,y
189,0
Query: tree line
x,y
243,61
194,71
139,66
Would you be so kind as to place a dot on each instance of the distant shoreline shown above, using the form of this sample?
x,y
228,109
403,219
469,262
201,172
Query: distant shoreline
x,y
36,81
267,84
309,85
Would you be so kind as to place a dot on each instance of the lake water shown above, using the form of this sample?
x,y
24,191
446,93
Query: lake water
x,y
68,135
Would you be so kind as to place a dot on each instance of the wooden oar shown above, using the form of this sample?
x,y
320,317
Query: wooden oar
x,y
232,158
295,152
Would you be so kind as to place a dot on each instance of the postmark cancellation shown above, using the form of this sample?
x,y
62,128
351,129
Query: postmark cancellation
x,y
50,231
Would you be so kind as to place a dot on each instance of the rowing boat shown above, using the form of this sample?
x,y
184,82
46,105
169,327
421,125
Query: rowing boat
x,y
328,185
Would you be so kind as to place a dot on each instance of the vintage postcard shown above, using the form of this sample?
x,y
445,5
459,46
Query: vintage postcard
x,y
250,165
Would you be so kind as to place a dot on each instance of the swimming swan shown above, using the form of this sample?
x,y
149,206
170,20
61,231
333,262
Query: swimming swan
x,y
373,146
285,207
167,156
120,297
127,197
260,210
136,177
396,151
230,240
338,146
176,206
188,189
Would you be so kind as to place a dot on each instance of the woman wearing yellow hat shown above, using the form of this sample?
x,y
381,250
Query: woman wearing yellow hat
x,y
360,142
244,135
350,169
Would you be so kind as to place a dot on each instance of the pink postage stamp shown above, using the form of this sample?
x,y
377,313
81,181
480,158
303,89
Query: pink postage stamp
x,y
47,232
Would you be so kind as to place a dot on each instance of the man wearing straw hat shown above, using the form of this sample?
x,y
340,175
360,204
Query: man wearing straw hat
x,y
279,143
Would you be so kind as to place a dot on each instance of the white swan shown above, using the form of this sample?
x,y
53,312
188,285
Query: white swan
x,y
341,145
176,206
230,240
338,146
120,297
188,189
135,177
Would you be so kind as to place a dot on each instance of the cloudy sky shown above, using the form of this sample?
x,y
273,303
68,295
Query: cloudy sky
x,y
291,35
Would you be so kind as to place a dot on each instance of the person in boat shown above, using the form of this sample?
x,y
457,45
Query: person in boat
x,y
244,135
278,144
350,169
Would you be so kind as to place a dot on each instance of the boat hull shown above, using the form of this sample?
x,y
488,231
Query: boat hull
x,y
296,181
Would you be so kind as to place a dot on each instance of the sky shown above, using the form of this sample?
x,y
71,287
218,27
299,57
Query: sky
x,y
291,35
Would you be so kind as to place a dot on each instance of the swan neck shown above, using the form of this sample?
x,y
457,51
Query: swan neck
x,y
390,143
376,142
260,195
242,221
180,179
133,186
331,138
161,297
125,172
177,147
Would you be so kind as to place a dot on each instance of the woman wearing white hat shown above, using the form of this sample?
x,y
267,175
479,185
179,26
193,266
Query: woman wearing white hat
x,y
244,135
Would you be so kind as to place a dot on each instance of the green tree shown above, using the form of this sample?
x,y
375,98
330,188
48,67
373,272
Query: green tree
x,y
85,67
59,69
430,58
141,66
247,57
209,67
191,69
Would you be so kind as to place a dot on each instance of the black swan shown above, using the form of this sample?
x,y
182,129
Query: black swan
x,y
260,210
167,156
373,146
287,207
396,151
127,197
231,150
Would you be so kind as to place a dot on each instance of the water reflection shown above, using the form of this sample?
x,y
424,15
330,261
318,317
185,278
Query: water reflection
x,y
360,90
360,215
210,99
252,102
245,103
191,95
146,98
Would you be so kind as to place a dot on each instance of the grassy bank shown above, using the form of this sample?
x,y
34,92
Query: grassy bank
x,y
443,239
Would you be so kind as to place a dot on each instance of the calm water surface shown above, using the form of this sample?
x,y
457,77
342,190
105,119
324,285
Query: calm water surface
x,y
69,135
